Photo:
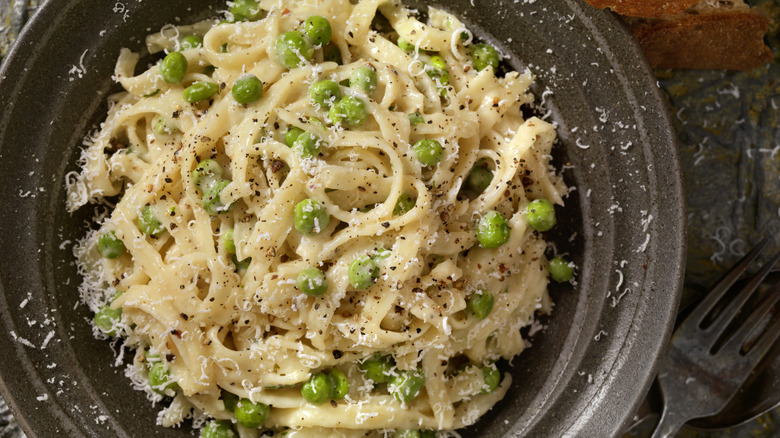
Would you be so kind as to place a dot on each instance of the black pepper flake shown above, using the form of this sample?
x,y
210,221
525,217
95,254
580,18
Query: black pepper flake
x,y
168,180
114,145
176,114
386,224
170,357
176,332
276,165
333,403
184,316
181,286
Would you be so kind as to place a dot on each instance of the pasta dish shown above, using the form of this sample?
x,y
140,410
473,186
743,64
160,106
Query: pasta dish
x,y
322,218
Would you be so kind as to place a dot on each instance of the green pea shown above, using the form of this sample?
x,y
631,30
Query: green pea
x,y
160,380
161,127
317,122
318,30
151,357
350,111
241,265
110,246
173,67
378,368
441,76
492,377
247,89
311,217
479,178
229,399
364,79
405,386
483,56
107,320
312,282
481,303
218,429
406,46
404,204
493,230
206,175
381,255
148,222
292,134
211,200
362,273
541,215
428,152
438,63
246,10
293,50
251,415
560,269
324,93
191,42
340,384
200,91
317,389
308,145
228,242
439,73
332,53
416,118
414,433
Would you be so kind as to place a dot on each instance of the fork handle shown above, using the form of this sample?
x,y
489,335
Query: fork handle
x,y
669,424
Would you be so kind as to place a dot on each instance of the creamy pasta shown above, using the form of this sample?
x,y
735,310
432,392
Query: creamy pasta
x,y
321,229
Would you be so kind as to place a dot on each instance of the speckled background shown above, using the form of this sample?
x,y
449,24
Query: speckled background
x,y
728,125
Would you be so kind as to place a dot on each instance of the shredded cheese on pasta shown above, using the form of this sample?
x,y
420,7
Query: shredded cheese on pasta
x,y
250,331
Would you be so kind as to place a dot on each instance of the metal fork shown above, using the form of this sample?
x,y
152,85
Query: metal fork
x,y
698,381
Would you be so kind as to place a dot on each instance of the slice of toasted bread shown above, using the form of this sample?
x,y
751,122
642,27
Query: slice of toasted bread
x,y
644,8
713,34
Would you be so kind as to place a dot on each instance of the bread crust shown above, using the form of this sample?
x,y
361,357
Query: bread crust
x,y
732,40
644,8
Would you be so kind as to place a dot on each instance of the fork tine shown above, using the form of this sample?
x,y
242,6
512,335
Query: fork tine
x,y
752,322
765,342
728,313
705,306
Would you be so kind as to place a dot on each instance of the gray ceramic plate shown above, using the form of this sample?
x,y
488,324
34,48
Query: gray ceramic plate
x,y
585,373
